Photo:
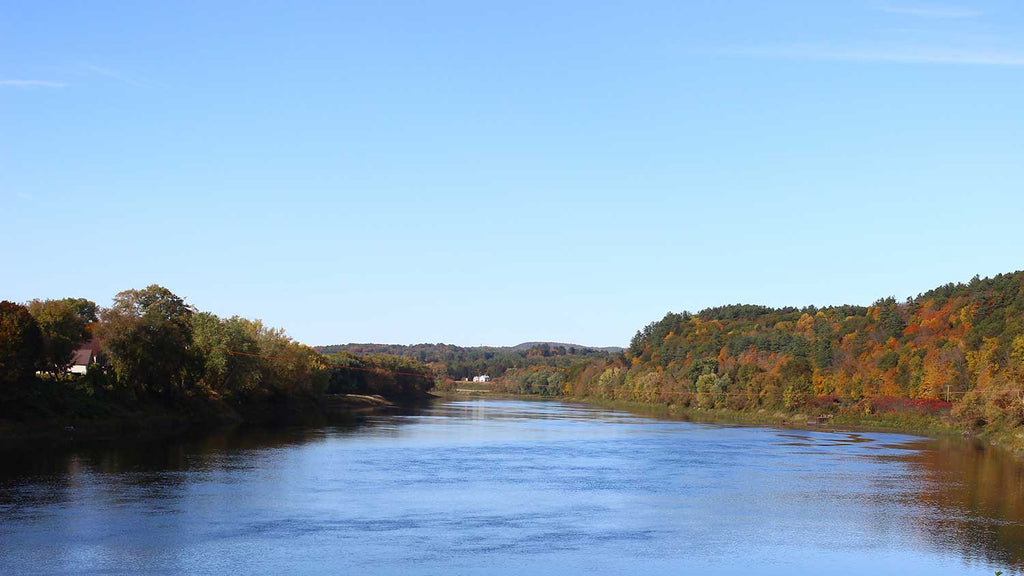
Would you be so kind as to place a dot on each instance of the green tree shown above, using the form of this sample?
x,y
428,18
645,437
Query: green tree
x,y
797,382
146,334
21,344
707,390
889,317
228,352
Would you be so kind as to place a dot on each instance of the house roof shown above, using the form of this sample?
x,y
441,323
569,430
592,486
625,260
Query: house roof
x,y
84,355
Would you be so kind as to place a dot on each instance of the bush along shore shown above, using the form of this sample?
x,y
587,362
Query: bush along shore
x,y
153,365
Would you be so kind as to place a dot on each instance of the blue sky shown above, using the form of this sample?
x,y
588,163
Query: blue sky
x,y
495,172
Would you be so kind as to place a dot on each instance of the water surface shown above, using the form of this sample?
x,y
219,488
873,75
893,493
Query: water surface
x,y
516,487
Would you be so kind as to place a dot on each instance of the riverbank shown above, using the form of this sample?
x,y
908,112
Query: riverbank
x,y
1010,441
881,422
945,426
156,421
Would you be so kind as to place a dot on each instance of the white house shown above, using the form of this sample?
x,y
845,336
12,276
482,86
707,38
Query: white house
x,y
483,378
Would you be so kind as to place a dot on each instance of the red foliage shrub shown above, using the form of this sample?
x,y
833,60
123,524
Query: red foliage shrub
x,y
926,406
822,403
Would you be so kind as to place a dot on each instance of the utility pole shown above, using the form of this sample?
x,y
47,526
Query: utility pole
x,y
947,392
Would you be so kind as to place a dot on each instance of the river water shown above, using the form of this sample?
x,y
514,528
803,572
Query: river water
x,y
516,487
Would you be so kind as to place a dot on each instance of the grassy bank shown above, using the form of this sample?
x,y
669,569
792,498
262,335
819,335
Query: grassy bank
x,y
909,423
1006,440
891,422
944,426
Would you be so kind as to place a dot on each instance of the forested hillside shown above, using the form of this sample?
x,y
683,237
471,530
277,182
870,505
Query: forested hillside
x,y
960,342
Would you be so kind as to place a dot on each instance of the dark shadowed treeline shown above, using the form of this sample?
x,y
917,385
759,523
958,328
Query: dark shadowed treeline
x,y
393,377
151,350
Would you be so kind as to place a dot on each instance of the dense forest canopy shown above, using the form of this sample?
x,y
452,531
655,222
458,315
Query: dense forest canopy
x,y
962,343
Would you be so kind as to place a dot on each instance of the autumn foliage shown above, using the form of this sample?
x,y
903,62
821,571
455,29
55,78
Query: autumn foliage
x,y
957,349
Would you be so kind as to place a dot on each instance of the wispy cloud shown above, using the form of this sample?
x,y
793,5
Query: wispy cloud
x,y
113,74
893,54
119,76
954,44
926,11
32,84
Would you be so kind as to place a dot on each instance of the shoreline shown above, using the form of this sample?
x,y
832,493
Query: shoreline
x,y
926,426
1010,442
156,423
941,428
160,424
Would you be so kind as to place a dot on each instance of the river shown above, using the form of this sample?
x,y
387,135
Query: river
x,y
516,487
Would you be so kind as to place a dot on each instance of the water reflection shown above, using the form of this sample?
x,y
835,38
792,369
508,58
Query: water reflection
x,y
976,498
515,487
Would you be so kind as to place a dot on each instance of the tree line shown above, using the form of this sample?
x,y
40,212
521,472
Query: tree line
x,y
959,348
155,349
450,362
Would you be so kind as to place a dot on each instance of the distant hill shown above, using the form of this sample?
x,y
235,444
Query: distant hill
x,y
467,361
528,345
